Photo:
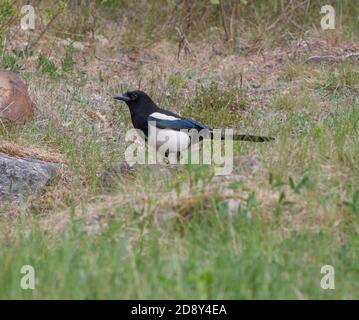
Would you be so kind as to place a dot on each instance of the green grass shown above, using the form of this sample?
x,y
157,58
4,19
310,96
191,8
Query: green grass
x,y
297,212
216,104
344,78
313,167
214,256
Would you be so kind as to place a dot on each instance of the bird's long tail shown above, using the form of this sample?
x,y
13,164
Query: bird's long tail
x,y
247,137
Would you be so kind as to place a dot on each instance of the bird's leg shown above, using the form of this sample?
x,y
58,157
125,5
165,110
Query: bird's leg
x,y
165,159
178,157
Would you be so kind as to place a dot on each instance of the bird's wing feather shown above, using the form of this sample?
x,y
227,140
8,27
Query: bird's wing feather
x,y
176,123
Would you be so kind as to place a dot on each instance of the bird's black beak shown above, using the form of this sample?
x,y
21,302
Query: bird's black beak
x,y
123,97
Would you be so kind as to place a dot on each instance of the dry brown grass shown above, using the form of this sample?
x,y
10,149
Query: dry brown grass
x,y
14,150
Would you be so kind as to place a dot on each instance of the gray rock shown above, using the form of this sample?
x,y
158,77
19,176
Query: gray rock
x,y
92,227
20,178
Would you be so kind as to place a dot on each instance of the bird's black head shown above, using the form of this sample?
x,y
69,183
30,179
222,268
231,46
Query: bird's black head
x,y
137,100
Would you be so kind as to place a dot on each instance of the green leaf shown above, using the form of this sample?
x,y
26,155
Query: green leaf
x,y
291,183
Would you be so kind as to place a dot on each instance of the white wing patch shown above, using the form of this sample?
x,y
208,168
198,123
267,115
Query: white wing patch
x,y
167,139
161,116
174,141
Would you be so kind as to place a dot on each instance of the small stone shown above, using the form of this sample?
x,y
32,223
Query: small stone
x,y
75,44
92,227
233,206
102,40
78,45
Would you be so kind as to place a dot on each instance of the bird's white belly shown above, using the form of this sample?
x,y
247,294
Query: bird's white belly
x,y
171,140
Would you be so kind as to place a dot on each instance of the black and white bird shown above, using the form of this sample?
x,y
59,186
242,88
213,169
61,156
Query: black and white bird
x,y
146,116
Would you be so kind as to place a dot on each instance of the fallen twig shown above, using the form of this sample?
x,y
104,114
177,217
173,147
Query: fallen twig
x,y
33,44
183,44
114,61
331,58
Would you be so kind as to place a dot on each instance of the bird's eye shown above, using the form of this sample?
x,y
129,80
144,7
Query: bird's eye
x,y
134,96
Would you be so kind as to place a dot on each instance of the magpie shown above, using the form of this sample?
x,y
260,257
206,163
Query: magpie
x,y
146,115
